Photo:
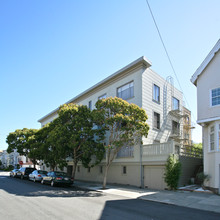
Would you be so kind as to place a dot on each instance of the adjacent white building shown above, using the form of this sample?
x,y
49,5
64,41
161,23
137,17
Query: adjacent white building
x,y
137,165
207,80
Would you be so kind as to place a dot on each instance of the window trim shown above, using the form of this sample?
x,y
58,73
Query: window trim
x,y
211,133
210,96
132,81
156,86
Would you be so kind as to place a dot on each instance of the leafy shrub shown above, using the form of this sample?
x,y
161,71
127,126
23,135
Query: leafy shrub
x,y
172,172
202,177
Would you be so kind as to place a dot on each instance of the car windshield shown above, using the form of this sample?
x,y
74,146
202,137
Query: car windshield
x,y
60,174
42,172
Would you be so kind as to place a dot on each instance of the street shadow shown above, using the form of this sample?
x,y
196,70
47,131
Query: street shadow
x,y
30,189
131,209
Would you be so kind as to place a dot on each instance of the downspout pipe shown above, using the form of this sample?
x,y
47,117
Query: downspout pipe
x,y
141,167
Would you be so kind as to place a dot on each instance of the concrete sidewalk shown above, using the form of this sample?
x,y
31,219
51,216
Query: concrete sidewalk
x,y
198,200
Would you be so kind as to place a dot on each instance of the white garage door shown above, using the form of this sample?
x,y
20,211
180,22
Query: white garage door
x,y
154,177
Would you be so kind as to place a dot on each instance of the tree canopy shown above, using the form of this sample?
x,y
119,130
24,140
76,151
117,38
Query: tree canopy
x,y
124,124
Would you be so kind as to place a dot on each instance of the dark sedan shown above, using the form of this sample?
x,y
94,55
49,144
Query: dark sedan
x,y
57,178
37,175
14,172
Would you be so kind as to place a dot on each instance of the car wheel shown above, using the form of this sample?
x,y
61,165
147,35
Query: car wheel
x,y
42,181
52,183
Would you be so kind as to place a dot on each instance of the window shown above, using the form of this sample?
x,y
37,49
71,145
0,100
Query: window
x,y
102,97
215,97
126,91
156,122
124,170
175,103
156,93
90,105
175,128
212,138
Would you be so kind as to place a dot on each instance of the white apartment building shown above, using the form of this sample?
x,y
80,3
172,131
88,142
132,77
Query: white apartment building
x,y
137,165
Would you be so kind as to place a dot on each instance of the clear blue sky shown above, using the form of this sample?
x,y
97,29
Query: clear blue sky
x,y
50,51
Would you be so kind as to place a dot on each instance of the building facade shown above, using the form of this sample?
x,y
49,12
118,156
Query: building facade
x,y
141,165
207,81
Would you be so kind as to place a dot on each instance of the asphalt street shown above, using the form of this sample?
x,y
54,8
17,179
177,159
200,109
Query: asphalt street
x,y
22,199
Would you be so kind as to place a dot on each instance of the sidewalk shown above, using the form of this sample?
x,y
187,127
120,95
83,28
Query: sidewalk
x,y
197,200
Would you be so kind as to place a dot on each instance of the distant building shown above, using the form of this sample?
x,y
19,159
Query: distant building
x,y
9,159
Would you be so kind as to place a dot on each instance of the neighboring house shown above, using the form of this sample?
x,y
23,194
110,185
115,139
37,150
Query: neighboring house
x,y
138,165
9,159
207,80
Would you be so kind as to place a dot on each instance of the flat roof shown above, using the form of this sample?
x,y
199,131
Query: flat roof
x,y
142,59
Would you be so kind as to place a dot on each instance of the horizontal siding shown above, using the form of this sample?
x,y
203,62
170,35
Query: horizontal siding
x,y
150,78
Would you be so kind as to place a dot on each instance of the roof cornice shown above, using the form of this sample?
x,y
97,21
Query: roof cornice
x,y
205,63
142,60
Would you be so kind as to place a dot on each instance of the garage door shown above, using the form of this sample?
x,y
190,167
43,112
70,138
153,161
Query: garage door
x,y
154,177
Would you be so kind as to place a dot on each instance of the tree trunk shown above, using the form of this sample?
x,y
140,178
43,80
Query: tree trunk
x,y
74,170
74,164
105,176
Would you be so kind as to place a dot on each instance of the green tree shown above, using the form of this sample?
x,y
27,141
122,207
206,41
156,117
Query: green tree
x,y
52,153
172,172
76,134
24,141
124,124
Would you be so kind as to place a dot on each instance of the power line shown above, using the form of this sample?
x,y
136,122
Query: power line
x,y
168,55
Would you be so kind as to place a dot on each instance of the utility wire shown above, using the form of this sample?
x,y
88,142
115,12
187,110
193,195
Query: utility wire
x,y
167,54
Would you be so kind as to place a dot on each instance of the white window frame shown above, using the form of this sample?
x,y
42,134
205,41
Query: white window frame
x,y
211,101
211,132
130,85
156,97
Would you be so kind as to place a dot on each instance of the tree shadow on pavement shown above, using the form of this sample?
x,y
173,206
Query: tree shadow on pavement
x,y
28,188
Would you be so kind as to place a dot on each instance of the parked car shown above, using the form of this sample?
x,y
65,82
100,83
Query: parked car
x,y
14,172
24,172
57,178
37,175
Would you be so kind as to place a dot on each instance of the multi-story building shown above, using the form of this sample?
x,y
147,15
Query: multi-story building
x,y
207,80
9,159
138,165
